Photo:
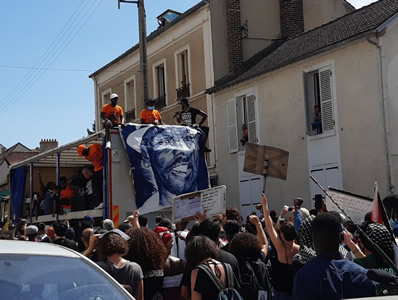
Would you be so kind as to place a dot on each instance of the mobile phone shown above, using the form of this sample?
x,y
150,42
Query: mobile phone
x,y
318,201
282,220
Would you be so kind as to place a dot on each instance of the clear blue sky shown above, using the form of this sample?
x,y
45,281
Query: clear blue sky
x,y
48,50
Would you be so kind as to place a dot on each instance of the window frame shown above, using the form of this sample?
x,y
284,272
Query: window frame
x,y
186,48
155,66
126,82
306,74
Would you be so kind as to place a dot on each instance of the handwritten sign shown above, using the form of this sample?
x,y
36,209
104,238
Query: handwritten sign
x,y
355,206
211,201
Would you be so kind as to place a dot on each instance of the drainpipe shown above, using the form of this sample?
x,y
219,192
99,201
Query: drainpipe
x,y
385,118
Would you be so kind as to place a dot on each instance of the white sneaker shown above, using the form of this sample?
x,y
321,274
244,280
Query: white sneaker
x,y
108,145
101,205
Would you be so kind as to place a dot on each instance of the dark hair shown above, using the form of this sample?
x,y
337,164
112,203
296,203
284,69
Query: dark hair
x,y
326,232
233,213
125,226
142,221
146,249
337,215
166,223
368,217
245,245
184,100
193,232
18,228
41,226
159,218
313,212
288,231
62,178
110,244
60,228
200,248
231,228
210,228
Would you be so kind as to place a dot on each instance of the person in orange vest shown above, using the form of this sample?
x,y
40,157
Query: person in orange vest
x,y
93,153
112,114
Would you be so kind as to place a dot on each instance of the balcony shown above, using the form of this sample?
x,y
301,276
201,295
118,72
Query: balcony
x,y
130,115
160,102
183,92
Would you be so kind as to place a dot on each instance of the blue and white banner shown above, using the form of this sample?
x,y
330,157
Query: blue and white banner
x,y
165,161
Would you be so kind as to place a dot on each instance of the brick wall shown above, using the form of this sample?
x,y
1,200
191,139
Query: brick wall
x,y
235,56
292,18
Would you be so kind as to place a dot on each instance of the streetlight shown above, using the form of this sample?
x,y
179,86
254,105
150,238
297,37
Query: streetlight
x,y
142,43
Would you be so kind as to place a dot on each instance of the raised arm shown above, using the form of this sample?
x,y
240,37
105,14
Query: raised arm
x,y
268,224
260,233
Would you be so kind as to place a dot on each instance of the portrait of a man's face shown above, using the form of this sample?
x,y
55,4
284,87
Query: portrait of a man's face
x,y
165,161
173,155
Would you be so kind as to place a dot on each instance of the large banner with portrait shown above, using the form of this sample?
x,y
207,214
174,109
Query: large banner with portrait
x,y
165,161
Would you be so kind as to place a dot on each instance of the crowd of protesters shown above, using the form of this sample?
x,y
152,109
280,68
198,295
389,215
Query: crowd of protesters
x,y
299,254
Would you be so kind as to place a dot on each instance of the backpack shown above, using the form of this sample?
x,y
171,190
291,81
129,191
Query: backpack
x,y
254,280
228,293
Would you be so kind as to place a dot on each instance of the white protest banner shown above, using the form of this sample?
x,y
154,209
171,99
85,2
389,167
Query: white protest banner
x,y
211,201
355,206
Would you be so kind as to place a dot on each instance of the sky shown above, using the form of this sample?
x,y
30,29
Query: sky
x,y
48,50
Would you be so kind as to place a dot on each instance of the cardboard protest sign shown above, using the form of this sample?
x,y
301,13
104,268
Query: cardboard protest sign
x,y
355,206
211,201
266,160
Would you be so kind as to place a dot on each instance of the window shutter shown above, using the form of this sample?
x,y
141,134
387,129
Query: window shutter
x,y
251,118
232,126
325,86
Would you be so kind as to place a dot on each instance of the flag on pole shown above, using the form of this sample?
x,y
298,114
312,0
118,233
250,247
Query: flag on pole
x,y
379,214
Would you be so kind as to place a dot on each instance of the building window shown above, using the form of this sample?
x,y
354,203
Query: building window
x,y
242,122
183,74
159,73
130,99
319,101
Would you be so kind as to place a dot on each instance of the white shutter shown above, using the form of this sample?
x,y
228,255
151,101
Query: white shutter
x,y
251,118
325,87
232,126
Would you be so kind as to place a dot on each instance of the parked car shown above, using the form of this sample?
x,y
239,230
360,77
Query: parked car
x,y
33,271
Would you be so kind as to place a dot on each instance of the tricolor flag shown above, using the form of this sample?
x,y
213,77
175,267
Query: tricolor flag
x,y
379,214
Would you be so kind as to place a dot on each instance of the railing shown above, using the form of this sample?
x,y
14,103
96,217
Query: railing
x,y
183,92
160,102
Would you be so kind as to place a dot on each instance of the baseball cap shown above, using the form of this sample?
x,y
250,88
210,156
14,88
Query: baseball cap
x,y
80,149
89,218
128,219
113,96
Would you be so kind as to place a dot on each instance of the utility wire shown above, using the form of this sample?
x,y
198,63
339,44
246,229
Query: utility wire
x,y
50,60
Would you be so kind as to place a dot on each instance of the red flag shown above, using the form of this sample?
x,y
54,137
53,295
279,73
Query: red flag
x,y
376,207
379,214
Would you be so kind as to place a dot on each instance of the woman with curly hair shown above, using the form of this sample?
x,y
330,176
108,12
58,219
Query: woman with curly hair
x,y
248,250
148,250
111,247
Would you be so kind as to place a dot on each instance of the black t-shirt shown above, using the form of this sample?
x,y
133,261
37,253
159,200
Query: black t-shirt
x,y
66,243
224,257
188,117
206,286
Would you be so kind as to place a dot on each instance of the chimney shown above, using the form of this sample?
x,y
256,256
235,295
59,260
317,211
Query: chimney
x,y
292,18
47,144
234,35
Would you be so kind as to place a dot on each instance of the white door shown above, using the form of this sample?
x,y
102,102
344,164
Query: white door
x,y
250,189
